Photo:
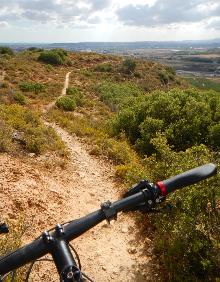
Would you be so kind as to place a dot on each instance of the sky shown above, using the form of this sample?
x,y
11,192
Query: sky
x,y
108,20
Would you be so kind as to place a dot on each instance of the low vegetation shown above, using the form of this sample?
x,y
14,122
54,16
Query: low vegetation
x,y
129,65
76,95
13,240
20,98
21,129
66,103
174,131
204,84
32,87
103,68
186,118
54,57
187,238
4,50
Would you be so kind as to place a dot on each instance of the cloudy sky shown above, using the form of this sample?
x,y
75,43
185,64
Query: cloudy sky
x,y
108,20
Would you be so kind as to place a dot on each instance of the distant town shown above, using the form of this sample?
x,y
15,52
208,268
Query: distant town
x,y
199,57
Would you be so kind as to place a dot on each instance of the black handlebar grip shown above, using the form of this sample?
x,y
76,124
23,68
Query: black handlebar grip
x,y
187,178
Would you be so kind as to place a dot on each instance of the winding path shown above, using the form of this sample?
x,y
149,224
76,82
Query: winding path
x,y
107,252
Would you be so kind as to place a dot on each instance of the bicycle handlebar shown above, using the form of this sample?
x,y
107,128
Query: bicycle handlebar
x,y
187,178
72,230
75,228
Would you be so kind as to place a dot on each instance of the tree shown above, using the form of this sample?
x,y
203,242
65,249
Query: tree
x,y
129,65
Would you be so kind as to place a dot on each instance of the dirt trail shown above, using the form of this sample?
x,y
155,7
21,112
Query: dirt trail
x,y
108,253
48,196
63,93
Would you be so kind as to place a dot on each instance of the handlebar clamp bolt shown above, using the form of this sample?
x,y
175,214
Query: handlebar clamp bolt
x,y
150,202
109,211
70,275
59,230
47,238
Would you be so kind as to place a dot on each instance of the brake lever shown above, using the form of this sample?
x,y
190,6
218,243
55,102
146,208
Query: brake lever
x,y
152,195
136,188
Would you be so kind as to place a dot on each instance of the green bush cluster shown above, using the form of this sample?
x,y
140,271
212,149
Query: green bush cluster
x,y
167,74
35,49
76,95
129,65
170,127
6,50
20,98
31,87
118,95
66,103
53,57
164,78
187,238
33,136
104,68
185,117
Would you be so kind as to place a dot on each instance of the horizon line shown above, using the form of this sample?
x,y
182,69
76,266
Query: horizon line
x,y
139,41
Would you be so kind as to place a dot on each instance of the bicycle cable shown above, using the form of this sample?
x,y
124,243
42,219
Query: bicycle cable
x,y
32,265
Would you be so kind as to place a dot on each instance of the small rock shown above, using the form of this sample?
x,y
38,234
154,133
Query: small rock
x,y
32,155
124,229
104,268
132,250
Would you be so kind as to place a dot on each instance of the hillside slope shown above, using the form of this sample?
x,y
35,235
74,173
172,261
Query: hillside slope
x,y
40,191
64,150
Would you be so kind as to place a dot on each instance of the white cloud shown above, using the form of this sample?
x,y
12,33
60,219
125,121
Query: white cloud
x,y
3,24
113,19
62,10
166,12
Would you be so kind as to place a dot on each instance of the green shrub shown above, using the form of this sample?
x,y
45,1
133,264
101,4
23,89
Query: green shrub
x,y
34,137
117,95
35,49
12,241
171,72
31,87
103,68
6,144
129,65
66,103
187,117
187,238
164,77
75,94
148,130
6,50
72,91
214,135
20,98
53,57
62,53
49,68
